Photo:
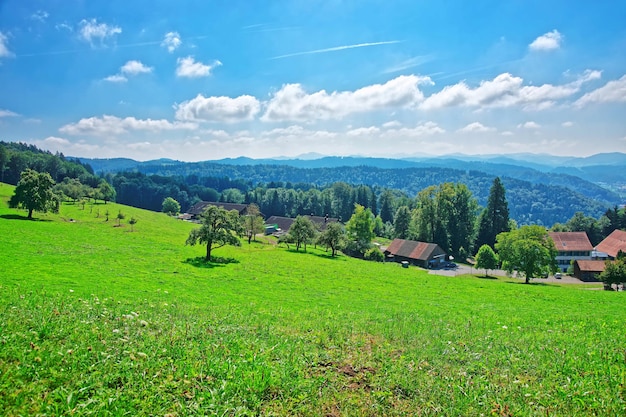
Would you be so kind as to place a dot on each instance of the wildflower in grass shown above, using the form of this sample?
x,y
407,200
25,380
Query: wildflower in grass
x,y
71,290
505,327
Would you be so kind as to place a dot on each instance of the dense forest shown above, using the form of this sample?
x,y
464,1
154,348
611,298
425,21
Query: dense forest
x,y
289,191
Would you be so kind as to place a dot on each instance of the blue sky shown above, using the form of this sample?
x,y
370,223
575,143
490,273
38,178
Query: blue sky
x,y
201,80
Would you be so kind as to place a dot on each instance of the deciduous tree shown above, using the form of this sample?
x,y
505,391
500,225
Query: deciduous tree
x,y
252,222
170,206
486,259
360,228
528,250
219,227
302,231
34,193
333,237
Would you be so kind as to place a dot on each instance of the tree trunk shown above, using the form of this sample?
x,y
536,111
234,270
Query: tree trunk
x,y
208,252
30,213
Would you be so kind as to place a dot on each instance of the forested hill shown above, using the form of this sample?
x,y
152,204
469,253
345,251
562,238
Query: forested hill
x,y
529,202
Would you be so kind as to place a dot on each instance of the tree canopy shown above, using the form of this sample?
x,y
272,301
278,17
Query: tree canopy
x,y
528,250
34,193
170,206
494,218
219,227
333,237
486,259
301,232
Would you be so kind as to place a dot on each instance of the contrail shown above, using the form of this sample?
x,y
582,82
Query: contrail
x,y
336,48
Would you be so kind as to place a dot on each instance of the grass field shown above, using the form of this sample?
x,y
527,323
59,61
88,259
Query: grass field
x,y
98,320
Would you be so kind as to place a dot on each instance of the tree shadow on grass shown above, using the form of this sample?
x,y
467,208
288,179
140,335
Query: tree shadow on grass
x,y
215,261
538,284
486,277
20,217
329,256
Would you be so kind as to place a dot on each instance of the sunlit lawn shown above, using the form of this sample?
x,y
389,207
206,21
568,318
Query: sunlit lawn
x,y
96,319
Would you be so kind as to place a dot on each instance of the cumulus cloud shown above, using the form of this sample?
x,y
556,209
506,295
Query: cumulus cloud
x,y
111,125
529,125
422,129
130,68
476,127
7,113
218,109
134,68
546,42
4,46
90,30
567,124
507,133
612,92
292,102
190,68
505,90
171,41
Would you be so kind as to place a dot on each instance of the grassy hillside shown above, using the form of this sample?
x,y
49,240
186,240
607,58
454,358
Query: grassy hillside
x,y
98,320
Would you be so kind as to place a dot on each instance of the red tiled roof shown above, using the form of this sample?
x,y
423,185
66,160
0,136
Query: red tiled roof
x,y
571,241
411,249
613,243
590,266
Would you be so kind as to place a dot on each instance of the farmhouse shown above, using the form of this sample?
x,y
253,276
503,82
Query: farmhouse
x,y
280,224
426,255
613,243
571,246
196,210
586,270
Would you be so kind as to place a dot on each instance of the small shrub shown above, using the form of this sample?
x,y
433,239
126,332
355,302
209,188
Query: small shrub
x,y
374,254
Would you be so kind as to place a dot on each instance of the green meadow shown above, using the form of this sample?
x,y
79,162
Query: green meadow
x,y
96,319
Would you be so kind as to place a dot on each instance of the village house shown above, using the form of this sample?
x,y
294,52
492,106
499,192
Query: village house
x,y
426,255
571,246
196,210
586,270
278,225
613,244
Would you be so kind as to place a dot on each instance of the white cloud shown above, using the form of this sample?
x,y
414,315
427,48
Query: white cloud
x,y
53,140
363,131
612,92
171,41
7,113
546,42
476,127
529,125
188,67
111,125
40,15
134,68
505,90
507,133
218,109
567,124
292,102
91,30
4,46
117,78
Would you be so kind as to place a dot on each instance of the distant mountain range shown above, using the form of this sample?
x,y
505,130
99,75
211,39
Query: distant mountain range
x,y
605,170
541,189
